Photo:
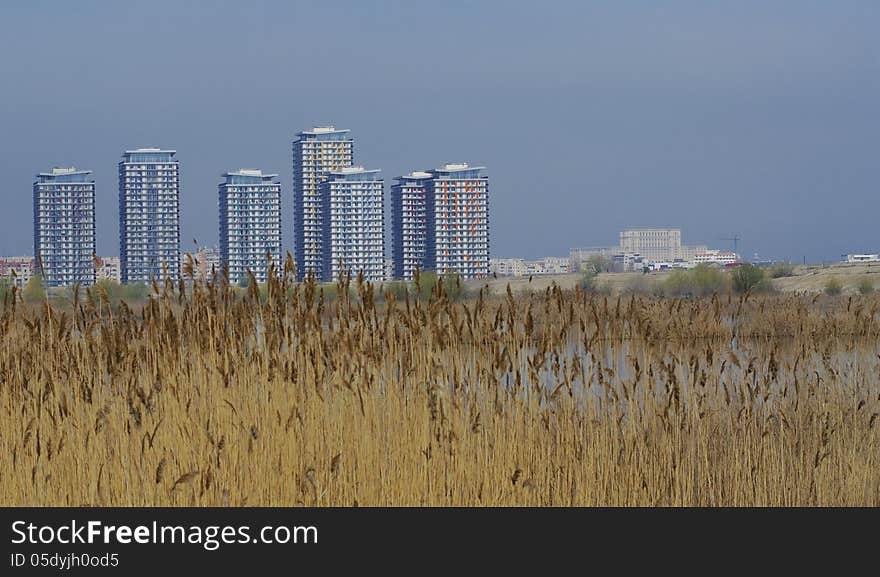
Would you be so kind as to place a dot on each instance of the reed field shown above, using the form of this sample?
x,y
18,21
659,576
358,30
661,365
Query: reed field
x,y
204,396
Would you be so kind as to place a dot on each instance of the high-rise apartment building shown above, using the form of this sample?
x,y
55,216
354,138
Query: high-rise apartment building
x,y
149,215
316,153
409,224
64,226
354,225
250,223
457,223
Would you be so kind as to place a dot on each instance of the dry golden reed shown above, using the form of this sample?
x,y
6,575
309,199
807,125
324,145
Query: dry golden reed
x,y
206,397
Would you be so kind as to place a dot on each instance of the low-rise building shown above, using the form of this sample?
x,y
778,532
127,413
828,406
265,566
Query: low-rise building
x,y
522,267
389,269
507,266
549,265
721,257
627,261
578,256
854,258
16,270
207,262
108,268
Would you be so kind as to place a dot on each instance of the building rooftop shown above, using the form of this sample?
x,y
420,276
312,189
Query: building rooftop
x,y
356,173
354,170
458,166
250,172
651,229
329,129
150,150
60,171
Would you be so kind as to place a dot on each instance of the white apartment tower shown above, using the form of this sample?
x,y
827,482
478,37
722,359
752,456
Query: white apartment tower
x,y
457,223
149,215
250,223
316,153
64,227
354,225
409,224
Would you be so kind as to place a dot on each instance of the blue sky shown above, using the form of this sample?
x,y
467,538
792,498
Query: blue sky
x,y
750,117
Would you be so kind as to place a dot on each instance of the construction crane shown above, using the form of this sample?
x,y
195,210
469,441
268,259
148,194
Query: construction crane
x,y
735,238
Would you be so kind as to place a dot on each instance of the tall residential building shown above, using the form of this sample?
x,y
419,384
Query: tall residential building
x,y
64,226
149,215
316,153
250,223
457,221
408,224
354,229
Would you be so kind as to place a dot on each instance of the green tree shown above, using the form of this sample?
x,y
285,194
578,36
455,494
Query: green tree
x,y
588,280
34,290
598,264
746,277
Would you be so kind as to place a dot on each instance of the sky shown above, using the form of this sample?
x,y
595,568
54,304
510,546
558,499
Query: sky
x,y
750,118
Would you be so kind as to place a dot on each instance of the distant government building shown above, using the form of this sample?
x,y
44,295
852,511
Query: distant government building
x,y
64,227
149,215
250,223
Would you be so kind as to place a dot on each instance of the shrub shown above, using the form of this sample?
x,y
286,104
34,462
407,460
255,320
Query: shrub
x,y
640,285
866,286
746,277
452,286
112,289
134,292
701,280
423,284
833,287
597,263
33,290
398,288
588,280
781,269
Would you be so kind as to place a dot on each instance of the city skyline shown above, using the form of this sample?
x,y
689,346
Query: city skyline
x,y
749,120
340,222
